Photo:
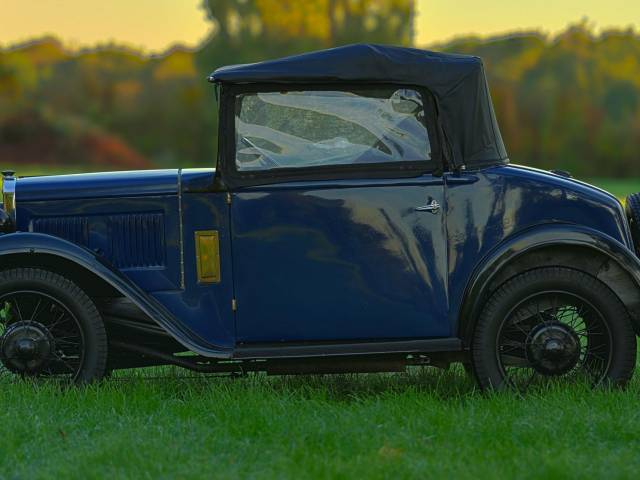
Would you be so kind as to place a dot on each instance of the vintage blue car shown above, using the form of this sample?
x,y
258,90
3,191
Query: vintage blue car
x,y
361,217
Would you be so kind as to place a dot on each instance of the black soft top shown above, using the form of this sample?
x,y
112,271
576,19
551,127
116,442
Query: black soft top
x,y
457,82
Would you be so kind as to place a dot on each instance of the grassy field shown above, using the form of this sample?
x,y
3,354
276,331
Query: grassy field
x,y
424,424
619,187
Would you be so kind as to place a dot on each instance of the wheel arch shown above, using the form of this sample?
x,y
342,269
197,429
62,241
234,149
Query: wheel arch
x,y
92,284
569,246
97,277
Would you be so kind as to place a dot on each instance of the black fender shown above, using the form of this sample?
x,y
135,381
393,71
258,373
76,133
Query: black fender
x,y
527,241
42,244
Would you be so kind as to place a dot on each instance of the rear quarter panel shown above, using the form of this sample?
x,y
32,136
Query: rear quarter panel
x,y
485,208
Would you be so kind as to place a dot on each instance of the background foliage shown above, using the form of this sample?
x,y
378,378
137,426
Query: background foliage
x,y
571,101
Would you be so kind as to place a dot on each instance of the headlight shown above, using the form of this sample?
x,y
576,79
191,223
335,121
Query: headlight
x,y
8,216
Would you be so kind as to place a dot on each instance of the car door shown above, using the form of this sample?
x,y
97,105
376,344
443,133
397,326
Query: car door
x,y
337,221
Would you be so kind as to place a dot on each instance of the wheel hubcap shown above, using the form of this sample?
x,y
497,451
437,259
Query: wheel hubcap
x,y
26,347
553,349
553,335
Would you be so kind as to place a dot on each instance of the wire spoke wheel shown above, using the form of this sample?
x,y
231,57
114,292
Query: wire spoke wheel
x,y
553,336
553,326
39,337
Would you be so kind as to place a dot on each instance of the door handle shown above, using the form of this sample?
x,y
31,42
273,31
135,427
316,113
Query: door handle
x,y
433,207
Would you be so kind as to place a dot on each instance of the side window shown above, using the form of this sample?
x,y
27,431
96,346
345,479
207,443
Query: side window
x,y
302,129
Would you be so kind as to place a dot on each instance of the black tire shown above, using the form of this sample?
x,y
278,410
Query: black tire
x,y
632,207
539,322
81,319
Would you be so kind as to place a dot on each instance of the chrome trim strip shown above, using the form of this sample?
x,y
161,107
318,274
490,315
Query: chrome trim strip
x,y
181,215
9,194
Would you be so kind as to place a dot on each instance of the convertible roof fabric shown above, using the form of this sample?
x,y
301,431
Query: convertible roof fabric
x,y
457,82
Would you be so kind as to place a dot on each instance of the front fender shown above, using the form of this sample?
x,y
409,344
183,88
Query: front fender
x,y
535,238
41,244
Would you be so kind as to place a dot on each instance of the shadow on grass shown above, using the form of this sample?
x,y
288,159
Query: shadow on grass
x,y
451,387
442,384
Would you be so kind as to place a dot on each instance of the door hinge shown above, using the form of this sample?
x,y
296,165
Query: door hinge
x,y
234,305
228,198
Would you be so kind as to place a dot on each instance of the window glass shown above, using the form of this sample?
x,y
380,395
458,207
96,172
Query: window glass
x,y
300,129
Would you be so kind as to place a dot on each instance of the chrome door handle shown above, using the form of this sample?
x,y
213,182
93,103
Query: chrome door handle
x,y
433,207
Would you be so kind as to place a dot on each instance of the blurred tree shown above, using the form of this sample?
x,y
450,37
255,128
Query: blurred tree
x,y
571,101
232,19
323,22
335,22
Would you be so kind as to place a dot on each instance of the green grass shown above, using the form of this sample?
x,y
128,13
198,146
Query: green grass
x,y
425,424
619,187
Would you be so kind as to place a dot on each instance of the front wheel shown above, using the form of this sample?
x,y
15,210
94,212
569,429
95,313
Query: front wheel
x,y
49,327
553,325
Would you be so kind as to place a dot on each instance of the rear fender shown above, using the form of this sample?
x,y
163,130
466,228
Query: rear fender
x,y
493,268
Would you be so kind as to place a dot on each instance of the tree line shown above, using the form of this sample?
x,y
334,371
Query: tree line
x,y
570,101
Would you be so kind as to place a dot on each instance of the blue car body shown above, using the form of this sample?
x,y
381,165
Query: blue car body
x,y
309,265
298,258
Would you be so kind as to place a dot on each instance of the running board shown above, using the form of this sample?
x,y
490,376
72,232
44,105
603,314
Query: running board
x,y
307,350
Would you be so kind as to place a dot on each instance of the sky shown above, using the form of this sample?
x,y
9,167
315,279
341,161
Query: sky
x,y
155,25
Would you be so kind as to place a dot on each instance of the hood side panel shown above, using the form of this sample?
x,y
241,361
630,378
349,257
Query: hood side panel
x,y
139,236
98,185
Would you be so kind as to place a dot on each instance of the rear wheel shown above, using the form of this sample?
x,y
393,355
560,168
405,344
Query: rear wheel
x,y
49,328
553,325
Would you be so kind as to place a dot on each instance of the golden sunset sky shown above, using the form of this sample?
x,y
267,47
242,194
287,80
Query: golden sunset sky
x,y
157,24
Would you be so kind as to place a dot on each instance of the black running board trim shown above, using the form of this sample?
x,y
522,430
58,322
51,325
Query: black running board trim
x,y
288,350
